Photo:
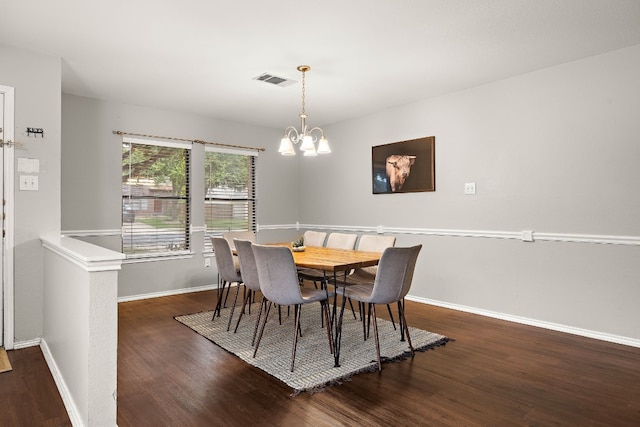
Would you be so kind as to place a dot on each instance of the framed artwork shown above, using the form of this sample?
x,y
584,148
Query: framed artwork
x,y
404,167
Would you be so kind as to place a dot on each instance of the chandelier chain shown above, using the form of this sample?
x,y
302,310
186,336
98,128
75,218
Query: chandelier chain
x,y
303,91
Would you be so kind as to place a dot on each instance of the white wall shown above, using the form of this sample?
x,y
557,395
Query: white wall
x,y
36,79
555,151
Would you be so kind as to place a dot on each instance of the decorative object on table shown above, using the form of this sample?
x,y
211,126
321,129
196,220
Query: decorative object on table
x,y
404,167
298,245
314,365
304,135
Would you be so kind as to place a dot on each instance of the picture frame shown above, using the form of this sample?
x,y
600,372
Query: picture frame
x,y
404,167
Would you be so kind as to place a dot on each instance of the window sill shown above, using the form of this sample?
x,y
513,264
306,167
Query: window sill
x,y
133,259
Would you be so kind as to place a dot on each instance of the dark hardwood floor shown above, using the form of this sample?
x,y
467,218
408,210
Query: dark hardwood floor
x,y
495,373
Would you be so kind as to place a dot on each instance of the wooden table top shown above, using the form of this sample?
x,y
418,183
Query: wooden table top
x,y
330,259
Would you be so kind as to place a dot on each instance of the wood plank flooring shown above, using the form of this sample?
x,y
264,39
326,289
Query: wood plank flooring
x,y
495,373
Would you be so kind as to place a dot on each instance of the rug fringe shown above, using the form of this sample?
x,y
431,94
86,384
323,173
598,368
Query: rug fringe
x,y
371,368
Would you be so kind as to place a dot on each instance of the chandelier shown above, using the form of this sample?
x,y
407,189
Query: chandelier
x,y
305,135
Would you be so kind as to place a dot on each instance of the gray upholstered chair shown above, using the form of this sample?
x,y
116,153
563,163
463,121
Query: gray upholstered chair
x,y
336,241
367,275
240,235
279,284
249,272
230,236
314,238
392,282
229,273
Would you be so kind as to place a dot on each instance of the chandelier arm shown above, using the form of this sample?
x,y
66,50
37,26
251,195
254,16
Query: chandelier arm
x,y
315,138
292,133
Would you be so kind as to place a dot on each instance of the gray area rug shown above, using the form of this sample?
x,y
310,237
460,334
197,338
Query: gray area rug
x,y
314,365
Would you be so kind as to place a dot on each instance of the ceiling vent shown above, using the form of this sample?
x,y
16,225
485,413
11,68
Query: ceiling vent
x,y
274,80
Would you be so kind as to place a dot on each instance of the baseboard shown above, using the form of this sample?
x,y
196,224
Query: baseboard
x,y
533,322
24,344
67,399
167,293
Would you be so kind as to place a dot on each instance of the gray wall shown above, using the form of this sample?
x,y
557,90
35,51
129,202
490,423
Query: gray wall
x,y
36,79
555,151
91,195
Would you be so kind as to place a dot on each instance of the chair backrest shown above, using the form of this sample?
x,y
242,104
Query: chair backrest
x,y
314,238
395,273
374,243
248,269
224,260
341,241
277,274
240,235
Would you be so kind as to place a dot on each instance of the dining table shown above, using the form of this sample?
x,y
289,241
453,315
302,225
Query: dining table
x,y
336,264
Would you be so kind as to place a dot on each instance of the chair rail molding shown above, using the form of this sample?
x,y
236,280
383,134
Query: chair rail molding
x,y
486,234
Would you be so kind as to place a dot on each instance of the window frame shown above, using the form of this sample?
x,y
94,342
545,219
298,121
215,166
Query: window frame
x,y
178,253
251,198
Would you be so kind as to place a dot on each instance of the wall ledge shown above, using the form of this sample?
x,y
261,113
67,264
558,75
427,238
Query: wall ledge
x,y
89,257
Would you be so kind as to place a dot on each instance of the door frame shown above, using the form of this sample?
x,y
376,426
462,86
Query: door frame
x,y
8,148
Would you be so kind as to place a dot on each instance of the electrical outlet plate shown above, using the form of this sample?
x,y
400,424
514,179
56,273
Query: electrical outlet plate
x,y
470,188
527,236
28,183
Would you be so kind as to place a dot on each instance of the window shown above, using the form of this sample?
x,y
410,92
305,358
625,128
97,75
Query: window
x,y
229,201
155,197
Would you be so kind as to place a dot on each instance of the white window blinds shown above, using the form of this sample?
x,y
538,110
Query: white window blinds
x,y
155,196
230,191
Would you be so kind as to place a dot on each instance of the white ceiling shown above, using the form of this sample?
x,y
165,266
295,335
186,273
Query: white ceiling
x,y
201,56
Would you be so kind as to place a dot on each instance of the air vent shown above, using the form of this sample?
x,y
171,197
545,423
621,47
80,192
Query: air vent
x,y
274,80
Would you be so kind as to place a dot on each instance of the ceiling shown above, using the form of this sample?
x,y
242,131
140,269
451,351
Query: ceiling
x,y
200,56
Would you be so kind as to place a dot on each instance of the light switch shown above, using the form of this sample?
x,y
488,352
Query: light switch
x,y
28,183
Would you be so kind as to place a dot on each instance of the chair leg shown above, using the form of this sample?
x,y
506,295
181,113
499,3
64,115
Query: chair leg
x,y
263,302
227,297
391,316
352,310
375,331
296,328
262,325
400,315
244,304
219,303
363,317
403,321
233,307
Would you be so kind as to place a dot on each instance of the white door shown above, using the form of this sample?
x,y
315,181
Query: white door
x,y
2,257
6,214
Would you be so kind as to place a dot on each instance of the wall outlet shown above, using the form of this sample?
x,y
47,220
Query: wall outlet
x,y
380,229
527,236
470,188
207,262
28,183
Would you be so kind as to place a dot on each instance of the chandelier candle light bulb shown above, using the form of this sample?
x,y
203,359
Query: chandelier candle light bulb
x,y
304,136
